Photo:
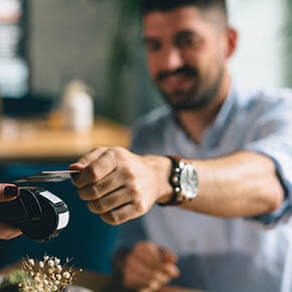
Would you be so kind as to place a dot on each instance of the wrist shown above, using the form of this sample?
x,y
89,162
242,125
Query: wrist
x,y
162,170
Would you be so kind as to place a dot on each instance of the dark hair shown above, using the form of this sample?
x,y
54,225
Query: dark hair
x,y
148,6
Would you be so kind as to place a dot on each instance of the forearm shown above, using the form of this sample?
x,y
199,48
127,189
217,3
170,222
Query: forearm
x,y
242,184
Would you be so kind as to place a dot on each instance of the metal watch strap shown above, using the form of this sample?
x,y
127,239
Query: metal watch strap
x,y
174,180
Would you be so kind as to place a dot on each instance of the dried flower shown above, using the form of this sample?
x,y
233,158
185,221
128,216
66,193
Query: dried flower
x,y
46,276
57,261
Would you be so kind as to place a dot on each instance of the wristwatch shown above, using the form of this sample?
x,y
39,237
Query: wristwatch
x,y
184,180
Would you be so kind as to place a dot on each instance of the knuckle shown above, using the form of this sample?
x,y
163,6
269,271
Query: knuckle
x,y
133,190
95,190
99,206
88,194
92,207
83,196
140,206
130,174
92,172
118,149
103,184
111,153
114,219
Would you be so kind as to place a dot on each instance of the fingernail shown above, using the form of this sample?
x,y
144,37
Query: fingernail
x,y
76,166
11,192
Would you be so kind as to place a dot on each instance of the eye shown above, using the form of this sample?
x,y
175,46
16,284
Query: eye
x,y
153,45
186,41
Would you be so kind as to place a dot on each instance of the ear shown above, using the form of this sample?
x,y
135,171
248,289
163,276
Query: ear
x,y
232,40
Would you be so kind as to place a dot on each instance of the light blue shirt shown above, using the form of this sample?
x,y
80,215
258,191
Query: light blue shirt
x,y
224,255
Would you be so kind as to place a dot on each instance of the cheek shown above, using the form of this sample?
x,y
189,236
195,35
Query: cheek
x,y
153,65
202,59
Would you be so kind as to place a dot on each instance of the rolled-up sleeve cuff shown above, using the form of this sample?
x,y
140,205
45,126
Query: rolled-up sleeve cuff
x,y
283,163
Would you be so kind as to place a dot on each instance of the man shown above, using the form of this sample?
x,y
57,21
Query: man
x,y
237,152
7,193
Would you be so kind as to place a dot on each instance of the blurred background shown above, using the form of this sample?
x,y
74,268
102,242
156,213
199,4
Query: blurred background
x,y
46,44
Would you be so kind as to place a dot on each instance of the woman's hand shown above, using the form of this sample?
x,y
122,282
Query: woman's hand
x,y
8,193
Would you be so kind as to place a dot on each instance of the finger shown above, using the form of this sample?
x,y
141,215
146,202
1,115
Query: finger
x,y
134,281
143,274
149,254
152,256
121,215
168,256
170,270
136,278
106,185
8,232
162,278
8,192
87,158
96,170
110,202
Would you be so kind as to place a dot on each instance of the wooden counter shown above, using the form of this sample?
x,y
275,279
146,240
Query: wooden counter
x,y
37,142
97,282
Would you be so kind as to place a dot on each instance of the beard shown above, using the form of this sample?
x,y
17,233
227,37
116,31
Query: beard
x,y
198,96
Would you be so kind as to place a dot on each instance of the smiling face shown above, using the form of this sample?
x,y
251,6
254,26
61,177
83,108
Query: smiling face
x,y
187,52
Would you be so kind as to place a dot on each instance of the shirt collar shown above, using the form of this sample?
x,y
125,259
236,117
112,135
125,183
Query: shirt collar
x,y
215,131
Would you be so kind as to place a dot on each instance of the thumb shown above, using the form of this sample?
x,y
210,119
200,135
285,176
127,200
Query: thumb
x,y
84,161
8,192
167,256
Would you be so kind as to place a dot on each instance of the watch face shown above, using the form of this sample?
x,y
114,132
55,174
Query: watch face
x,y
189,182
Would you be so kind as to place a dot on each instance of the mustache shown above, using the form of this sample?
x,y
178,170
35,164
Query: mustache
x,y
184,70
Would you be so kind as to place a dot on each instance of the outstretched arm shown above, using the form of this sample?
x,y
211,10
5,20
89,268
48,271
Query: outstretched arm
x,y
121,186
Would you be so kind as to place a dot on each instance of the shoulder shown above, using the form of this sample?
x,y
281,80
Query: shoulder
x,y
260,102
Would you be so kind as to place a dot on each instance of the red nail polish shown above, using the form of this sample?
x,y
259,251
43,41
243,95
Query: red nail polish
x,y
11,192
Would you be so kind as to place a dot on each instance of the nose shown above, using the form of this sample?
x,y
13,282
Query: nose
x,y
171,59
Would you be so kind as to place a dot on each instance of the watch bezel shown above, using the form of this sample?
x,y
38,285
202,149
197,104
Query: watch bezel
x,y
186,194
179,195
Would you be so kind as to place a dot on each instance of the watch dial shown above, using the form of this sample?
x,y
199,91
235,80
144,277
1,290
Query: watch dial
x,y
189,182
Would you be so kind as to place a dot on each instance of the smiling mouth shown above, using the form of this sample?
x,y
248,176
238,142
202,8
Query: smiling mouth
x,y
177,83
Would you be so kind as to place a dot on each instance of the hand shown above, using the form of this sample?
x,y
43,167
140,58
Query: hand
x,y
7,193
149,267
120,185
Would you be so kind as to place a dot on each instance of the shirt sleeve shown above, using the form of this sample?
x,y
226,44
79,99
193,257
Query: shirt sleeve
x,y
273,138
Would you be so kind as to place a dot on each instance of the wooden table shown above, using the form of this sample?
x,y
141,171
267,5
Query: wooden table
x,y
36,141
97,282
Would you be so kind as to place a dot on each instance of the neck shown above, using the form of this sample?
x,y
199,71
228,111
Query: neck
x,y
196,122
